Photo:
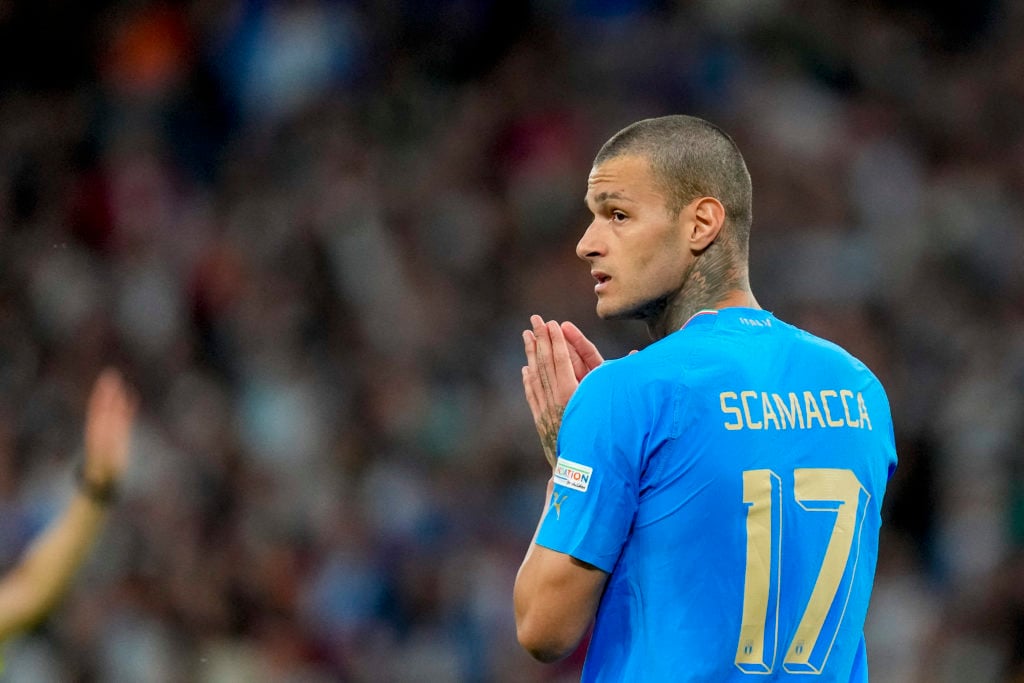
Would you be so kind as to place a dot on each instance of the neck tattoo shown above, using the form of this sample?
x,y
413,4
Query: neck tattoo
x,y
709,281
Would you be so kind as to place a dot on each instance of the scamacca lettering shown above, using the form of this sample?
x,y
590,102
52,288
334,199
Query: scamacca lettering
x,y
821,409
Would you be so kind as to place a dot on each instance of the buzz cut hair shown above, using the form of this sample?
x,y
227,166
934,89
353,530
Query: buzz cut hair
x,y
691,158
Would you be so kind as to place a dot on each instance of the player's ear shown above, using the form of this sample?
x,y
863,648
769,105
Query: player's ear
x,y
708,219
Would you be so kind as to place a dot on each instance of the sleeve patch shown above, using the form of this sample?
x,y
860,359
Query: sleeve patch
x,y
572,475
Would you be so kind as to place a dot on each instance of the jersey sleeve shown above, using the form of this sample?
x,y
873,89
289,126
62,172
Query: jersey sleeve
x,y
596,477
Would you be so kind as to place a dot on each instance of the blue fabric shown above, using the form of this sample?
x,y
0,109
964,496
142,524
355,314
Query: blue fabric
x,y
654,451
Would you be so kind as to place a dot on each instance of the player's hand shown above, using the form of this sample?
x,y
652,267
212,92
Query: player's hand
x,y
108,422
551,375
582,352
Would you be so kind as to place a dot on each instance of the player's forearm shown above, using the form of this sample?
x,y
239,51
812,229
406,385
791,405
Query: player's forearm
x,y
46,568
542,626
525,589
522,589
552,613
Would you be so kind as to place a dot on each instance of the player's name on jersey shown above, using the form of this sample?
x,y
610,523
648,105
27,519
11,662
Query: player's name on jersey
x,y
817,409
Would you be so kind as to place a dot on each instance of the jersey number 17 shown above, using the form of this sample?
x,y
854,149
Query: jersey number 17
x,y
816,490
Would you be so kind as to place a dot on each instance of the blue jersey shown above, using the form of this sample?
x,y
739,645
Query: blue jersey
x,y
729,479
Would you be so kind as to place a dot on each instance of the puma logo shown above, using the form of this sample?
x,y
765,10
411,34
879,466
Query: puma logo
x,y
556,503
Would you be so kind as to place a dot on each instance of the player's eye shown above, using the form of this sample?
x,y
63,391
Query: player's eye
x,y
618,216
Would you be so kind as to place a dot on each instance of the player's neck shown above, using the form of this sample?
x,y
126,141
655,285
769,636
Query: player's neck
x,y
703,289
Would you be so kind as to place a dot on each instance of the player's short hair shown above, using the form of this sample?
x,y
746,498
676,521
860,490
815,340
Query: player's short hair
x,y
692,158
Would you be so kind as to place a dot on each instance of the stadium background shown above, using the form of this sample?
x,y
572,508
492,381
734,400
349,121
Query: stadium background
x,y
310,233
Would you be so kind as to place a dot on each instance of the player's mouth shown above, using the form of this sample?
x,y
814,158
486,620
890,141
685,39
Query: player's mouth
x,y
602,280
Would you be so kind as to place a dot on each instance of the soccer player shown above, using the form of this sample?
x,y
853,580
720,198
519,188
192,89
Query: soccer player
x,y
32,586
713,512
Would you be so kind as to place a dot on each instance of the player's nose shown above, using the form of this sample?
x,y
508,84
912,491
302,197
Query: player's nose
x,y
591,245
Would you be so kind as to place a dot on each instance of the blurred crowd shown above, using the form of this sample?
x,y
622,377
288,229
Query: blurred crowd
x,y
310,233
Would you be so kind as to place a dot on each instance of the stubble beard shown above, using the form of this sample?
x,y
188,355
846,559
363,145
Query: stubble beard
x,y
652,311
707,280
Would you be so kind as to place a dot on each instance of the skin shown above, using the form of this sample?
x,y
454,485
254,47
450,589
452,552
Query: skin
x,y
29,590
651,264
555,595
558,356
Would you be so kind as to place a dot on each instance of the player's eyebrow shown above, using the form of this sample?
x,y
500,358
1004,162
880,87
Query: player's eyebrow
x,y
601,198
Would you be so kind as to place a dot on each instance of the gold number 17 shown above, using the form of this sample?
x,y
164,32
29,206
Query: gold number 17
x,y
836,491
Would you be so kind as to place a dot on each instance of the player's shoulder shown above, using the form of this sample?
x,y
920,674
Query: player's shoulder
x,y
836,353
634,365
612,370
647,373
615,373
826,346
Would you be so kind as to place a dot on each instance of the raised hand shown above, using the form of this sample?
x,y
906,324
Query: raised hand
x,y
584,355
31,587
108,423
557,357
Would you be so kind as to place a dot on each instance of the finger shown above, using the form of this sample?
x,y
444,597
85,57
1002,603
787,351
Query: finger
x,y
531,394
579,368
531,376
545,364
529,345
634,351
565,376
588,353
530,348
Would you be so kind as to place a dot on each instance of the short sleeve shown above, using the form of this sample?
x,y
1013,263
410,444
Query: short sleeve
x,y
596,477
